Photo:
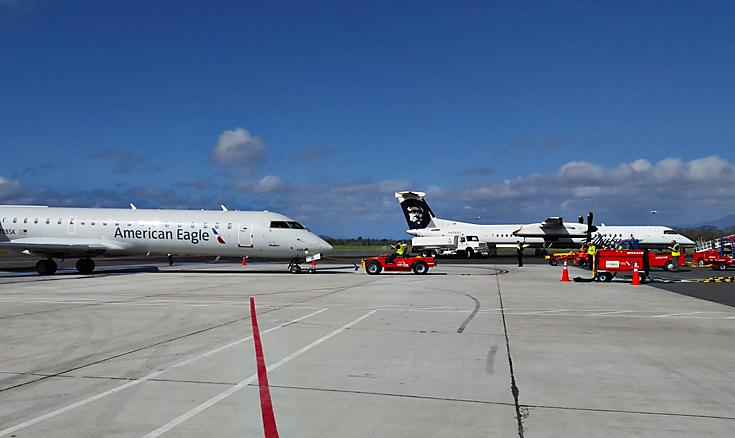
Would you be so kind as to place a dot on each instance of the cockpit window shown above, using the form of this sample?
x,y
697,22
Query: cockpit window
x,y
279,224
290,225
669,232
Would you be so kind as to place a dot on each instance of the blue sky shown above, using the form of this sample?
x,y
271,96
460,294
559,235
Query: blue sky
x,y
510,111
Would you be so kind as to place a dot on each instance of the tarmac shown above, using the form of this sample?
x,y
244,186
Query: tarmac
x,y
470,350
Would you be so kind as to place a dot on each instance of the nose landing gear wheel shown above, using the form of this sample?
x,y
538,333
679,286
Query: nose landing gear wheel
x,y
295,269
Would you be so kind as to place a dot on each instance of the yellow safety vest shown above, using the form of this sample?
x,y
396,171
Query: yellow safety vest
x,y
401,249
591,250
675,252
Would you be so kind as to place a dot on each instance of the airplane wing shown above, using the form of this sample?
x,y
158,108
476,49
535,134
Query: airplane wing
x,y
62,247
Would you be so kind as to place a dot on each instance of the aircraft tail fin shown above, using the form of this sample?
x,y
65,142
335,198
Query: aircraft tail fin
x,y
417,212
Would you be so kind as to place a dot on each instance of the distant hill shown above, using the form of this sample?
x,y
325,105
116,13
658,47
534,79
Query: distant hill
x,y
723,222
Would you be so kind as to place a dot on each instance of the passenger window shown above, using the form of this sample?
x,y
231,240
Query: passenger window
x,y
216,225
180,225
71,221
167,225
25,220
35,221
205,225
81,222
193,224
48,221
117,224
104,223
92,223
59,221
229,226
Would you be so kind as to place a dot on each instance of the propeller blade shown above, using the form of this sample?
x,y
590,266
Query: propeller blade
x,y
581,220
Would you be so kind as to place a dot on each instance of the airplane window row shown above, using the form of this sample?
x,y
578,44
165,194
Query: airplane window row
x,y
130,224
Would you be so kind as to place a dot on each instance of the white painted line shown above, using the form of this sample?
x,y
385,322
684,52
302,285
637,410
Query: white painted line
x,y
614,312
221,396
150,376
675,314
541,312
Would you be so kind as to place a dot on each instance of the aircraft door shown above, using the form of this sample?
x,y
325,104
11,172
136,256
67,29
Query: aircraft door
x,y
245,235
72,229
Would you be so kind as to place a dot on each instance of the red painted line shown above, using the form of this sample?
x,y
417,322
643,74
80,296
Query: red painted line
x,y
266,405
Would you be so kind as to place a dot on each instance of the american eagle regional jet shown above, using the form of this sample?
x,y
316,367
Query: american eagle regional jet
x,y
83,233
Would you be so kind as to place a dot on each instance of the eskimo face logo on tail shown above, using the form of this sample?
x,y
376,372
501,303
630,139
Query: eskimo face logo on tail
x,y
417,213
219,238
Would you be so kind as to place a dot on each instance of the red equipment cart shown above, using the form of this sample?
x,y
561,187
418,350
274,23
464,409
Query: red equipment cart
x,y
610,262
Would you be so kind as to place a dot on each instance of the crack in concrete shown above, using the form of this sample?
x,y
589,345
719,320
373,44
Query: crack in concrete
x,y
521,413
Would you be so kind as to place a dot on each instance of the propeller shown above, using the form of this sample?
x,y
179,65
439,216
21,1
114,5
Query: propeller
x,y
581,220
590,228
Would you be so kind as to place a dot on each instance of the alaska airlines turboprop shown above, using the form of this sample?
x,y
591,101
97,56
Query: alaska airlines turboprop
x,y
553,231
59,233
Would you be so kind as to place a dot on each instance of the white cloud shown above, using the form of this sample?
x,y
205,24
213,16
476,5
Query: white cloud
x,y
624,192
267,184
8,188
239,148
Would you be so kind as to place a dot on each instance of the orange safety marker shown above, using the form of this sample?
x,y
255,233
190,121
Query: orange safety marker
x,y
565,273
636,278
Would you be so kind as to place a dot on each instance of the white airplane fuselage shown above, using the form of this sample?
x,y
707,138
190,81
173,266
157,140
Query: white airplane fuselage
x,y
501,235
86,232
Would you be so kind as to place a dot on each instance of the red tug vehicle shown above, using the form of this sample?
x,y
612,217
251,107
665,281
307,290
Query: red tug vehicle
x,y
419,265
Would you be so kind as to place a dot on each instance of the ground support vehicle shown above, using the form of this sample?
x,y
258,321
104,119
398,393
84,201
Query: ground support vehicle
x,y
664,260
610,262
555,258
419,265
718,253
466,246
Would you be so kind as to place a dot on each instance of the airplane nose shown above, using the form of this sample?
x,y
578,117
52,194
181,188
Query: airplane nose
x,y
320,244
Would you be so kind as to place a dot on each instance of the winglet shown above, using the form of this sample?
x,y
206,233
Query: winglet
x,y
223,207
133,207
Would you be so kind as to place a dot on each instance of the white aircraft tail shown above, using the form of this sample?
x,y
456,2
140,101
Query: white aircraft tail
x,y
417,211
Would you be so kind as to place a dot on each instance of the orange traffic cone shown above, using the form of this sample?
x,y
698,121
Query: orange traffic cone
x,y
244,261
565,273
636,278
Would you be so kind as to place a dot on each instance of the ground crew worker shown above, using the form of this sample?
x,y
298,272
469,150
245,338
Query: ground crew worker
x,y
675,253
591,255
393,253
402,248
170,260
519,253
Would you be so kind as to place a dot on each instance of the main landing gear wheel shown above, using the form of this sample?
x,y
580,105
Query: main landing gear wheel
x,y
470,253
85,266
553,262
295,269
46,267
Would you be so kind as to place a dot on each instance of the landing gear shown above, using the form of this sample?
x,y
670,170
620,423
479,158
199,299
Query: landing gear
x,y
294,266
85,266
46,267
